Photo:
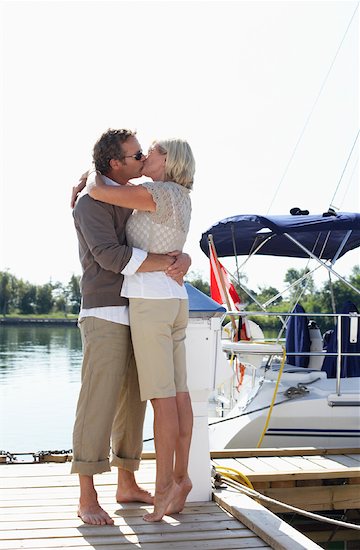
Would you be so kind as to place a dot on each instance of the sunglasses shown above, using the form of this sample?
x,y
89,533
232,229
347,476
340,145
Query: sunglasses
x,y
138,156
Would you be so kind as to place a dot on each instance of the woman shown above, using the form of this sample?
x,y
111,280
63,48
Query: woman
x,y
158,309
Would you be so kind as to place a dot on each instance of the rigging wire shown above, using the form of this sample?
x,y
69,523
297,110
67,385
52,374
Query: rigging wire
x,y
343,172
311,111
349,182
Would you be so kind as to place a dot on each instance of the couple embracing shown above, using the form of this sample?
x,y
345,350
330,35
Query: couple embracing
x,y
133,319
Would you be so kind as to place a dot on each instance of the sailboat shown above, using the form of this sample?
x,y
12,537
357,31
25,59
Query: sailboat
x,y
294,391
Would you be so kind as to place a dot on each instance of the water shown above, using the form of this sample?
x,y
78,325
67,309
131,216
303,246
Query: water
x,y
40,370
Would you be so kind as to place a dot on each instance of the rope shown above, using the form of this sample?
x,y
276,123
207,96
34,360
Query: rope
x,y
235,475
249,412
255,494
273,398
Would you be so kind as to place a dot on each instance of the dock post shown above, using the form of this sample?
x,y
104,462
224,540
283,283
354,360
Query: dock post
x,y
203,345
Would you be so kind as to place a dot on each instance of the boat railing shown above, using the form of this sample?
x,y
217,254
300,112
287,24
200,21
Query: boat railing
x,y
337,318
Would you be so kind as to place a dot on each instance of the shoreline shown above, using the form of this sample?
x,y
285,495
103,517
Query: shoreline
x,y
37,321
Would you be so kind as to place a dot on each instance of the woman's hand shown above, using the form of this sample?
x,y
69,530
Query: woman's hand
x,y
94,183
78,188
180,267
179,279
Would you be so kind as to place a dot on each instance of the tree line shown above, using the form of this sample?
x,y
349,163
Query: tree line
x,y
19,297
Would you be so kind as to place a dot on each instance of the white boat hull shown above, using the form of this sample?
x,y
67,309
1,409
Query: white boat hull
x,y
317,418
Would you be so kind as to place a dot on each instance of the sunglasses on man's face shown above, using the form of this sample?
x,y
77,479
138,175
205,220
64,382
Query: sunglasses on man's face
x,y
138,156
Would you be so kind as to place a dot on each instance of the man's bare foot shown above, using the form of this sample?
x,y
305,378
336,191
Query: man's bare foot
x,y
133,494
93,514
177,504
162,500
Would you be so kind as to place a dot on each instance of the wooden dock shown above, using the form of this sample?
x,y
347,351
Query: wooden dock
x,y
38,511
311,479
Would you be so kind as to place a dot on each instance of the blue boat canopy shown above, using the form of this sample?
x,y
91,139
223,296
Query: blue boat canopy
x,y
328,237
201,303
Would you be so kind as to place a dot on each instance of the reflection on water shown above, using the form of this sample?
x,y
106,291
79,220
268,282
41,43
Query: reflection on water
x,y
39,383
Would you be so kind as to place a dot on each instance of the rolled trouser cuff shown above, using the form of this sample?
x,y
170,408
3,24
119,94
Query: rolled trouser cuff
x,y
129,464
90,468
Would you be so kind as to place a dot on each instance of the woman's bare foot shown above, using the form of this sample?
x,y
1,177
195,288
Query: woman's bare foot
x,y
177,504
93,514
133,494
161,502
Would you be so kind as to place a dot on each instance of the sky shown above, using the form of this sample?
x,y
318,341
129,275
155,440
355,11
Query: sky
x,y
266,93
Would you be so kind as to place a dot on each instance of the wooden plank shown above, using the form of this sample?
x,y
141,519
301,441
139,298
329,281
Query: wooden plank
x,y
63,470
234,464
256,464
292,451
115,543
70,511
282,484
324,474
345,460
70,481
354,480
301,463
326,463
120,528
73,521
278,464
333,497
156,537
58,492
354,455
278,534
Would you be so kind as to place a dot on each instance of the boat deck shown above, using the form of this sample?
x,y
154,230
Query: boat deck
x,y
38,510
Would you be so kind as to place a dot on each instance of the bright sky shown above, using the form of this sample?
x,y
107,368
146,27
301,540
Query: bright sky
x,y
241,81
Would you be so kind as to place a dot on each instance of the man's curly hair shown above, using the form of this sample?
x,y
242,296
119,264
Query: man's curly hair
x,y
108,147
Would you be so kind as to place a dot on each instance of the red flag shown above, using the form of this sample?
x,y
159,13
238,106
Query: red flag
x,y
218,294
216,289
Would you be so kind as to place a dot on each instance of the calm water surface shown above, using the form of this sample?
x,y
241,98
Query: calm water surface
x,y
40,370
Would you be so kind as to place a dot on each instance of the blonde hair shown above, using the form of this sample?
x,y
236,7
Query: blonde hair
x,y
180,162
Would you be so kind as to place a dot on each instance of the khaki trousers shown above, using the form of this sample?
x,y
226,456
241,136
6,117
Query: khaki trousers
x,y
109,405
158,330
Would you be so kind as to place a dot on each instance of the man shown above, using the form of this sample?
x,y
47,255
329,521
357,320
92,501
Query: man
x,y
109,403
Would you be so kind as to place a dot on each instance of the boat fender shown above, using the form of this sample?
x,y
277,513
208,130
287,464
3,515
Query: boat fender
x,y
353,327
316,346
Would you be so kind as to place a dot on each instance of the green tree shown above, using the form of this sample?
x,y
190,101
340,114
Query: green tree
x,y
7,294
341,291
44,300
195,279
305,287
265,293
59,294
74,293
26,297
